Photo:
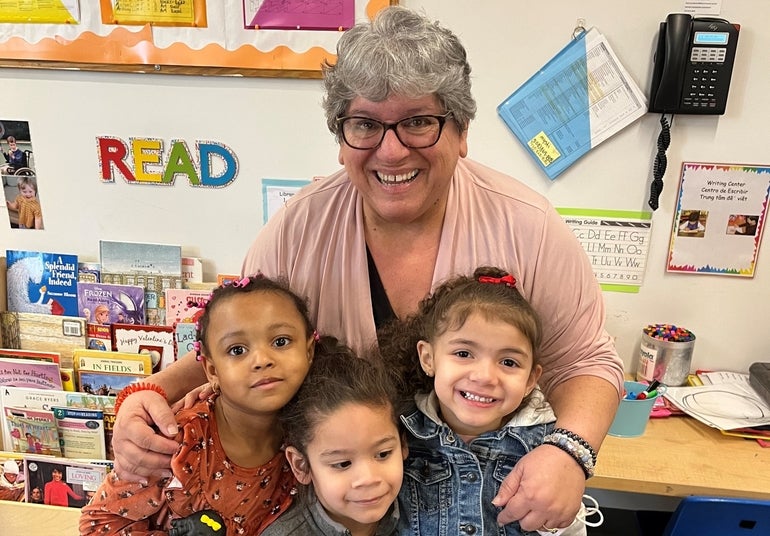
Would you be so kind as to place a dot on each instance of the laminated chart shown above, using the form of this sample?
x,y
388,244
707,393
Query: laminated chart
x,y
40,11
581,97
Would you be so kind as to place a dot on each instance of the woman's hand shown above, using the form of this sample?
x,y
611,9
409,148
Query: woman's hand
x,y
545,488
139,451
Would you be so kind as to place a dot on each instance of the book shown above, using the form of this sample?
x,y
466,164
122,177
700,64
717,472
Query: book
x,y
30,398
184,338
81,432
32,430
17,372
185,305
89,272
64,482
99,336
106,373
156,267
140,257
42,282
12,479
107,303
14,353
192,271
37,331
155,341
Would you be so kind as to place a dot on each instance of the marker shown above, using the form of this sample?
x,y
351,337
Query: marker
x,y
647,394
652,386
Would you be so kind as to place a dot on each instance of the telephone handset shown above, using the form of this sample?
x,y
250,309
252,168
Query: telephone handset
x,y
693,65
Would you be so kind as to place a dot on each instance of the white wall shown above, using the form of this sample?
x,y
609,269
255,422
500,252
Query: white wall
x,y
276,128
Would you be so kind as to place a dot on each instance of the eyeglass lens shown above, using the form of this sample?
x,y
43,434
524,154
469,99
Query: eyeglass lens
x,y
415,132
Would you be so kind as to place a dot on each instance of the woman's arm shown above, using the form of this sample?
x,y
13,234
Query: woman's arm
x,y
141,450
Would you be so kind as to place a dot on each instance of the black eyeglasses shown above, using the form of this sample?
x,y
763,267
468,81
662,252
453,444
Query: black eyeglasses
x,y
416,132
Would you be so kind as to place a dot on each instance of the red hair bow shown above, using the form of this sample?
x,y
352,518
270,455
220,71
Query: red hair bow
x,y
508,280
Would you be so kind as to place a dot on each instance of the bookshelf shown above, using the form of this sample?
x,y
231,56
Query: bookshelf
x,y
38,519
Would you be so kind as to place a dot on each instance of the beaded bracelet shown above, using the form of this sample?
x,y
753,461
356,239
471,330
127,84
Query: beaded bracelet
x,y
578,448
572,435
135,388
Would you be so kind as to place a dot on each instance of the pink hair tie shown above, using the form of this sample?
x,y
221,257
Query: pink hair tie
x,y
316,336
242,282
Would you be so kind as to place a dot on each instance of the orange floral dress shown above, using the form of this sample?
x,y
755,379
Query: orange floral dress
x,y
248,499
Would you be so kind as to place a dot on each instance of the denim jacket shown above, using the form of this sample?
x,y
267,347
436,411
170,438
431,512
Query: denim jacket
x,y
449,485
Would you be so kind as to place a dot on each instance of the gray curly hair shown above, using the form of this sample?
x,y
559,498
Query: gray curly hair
x,y
399,52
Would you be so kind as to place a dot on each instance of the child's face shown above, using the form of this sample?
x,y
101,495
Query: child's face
x,y
483,371
27,191
355,462
56,475
258,352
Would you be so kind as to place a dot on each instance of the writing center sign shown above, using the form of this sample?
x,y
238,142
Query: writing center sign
x,y
616,242
719,218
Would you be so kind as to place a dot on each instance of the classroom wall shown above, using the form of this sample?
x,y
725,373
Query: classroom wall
x,y
276,128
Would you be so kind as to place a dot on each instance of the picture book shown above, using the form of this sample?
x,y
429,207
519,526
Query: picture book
x,y
30,398
17,372
37,331
89,272
185,336
107,303
155,341
32,430
106,373
99,336
140,257
51,357
192,270
64,482
42,282
185,305
154,285
12,478
81,432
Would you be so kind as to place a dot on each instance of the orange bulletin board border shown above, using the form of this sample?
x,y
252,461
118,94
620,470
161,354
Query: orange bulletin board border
x,y
128,49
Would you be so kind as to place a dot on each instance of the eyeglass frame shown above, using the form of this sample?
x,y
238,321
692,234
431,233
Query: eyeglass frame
x,y
442,119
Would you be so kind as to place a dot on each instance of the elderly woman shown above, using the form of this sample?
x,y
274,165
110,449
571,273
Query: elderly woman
x,y
409,210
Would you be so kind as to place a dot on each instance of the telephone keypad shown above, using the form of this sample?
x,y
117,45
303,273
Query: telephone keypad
x,y
702,87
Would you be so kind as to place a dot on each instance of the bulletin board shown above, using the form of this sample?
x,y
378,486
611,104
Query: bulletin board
x,y
201,37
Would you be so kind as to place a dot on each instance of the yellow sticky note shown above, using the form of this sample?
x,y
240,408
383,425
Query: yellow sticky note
x,y
544,149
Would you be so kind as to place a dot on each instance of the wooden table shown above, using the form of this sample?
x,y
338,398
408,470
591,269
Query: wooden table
x,y
679,456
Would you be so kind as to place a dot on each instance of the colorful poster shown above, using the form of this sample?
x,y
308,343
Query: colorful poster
x,y
40,11
718,223
299,14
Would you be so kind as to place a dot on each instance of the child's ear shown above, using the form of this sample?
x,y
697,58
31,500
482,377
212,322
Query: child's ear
x,y
534,376
299,466
425,351
404,447
209,369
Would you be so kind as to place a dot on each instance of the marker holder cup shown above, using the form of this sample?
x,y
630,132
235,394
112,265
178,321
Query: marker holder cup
x,y
632,416
667,361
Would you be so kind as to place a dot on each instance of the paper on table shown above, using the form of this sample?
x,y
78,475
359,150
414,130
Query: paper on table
x,y
726,406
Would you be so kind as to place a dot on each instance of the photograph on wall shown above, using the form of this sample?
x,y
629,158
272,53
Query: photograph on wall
x,y
17,168
718,221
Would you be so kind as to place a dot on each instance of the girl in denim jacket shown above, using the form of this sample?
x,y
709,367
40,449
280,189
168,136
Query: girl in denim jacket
x,y
478,408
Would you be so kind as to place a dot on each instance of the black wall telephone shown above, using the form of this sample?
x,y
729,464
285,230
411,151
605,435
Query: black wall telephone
x,y
693,64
